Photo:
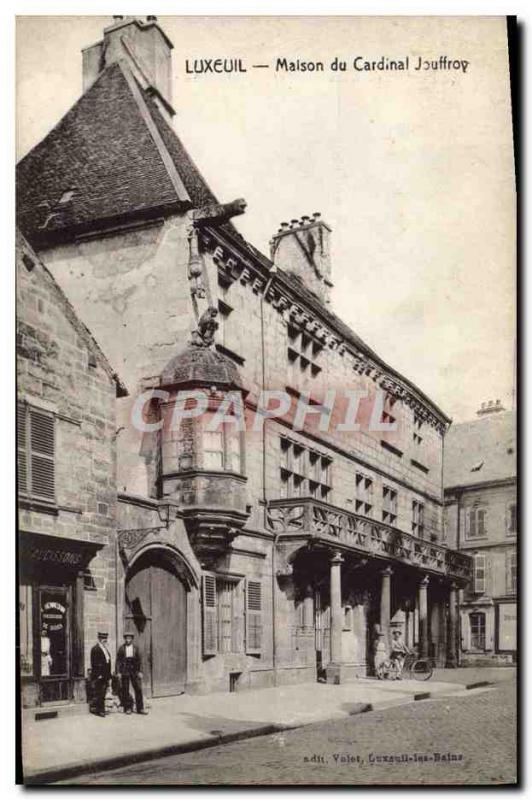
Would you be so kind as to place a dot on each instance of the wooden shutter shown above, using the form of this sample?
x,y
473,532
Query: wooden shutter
x,y
480,573
481,522
42,454
253,617
210,616
22,454
472,523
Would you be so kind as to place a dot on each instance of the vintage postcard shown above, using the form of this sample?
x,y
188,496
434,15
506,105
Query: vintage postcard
x,y
266,400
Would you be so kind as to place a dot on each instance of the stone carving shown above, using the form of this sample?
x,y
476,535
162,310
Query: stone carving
x,y
317,520
129,539
203,336
195,266
218,213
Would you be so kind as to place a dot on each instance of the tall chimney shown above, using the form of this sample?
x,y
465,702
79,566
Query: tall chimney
x,y
146,48
302,247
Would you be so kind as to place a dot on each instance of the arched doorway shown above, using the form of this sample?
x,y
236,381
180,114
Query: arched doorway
x,y
156,611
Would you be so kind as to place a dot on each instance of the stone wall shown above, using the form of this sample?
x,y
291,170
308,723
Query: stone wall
x,y
58,371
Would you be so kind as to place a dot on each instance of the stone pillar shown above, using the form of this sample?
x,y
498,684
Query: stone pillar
x,y
452,640
423,618
308,608
386,606
334,669
336,609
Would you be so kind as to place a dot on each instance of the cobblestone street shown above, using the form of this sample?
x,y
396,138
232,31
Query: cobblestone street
x,y
453,740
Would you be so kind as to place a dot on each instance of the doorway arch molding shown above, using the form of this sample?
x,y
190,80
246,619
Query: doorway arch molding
x,y
174,557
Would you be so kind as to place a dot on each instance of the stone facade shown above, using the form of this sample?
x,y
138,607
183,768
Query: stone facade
x,y
67,485
276,553
482,521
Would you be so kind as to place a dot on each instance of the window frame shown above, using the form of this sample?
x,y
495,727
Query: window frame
x,y
479,513
418,519
307,473
389,504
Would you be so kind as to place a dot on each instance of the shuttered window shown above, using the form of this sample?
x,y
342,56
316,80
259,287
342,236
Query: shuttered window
x,y
210,616
223,615
476,523
480,573
253,617
511,572
35,452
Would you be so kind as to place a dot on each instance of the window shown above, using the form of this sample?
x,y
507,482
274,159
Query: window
x,y
480,573
364,494
388,415
389,505
511,528
475,523
511,572
477,626
223,607
418,424
222,448
418,519
35,452
304,472
303,353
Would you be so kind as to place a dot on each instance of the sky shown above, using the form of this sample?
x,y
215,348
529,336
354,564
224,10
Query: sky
x,y
412,170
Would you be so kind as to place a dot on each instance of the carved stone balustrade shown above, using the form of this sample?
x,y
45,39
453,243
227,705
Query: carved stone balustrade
x,y
321,522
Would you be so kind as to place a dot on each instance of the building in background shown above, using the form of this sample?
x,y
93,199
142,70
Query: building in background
x,y
480,469
66,461
255,557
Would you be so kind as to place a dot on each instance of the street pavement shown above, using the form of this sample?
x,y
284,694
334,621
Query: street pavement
x,y
467,739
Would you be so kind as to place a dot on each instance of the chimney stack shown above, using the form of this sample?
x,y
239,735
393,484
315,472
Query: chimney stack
x,y
302,248
491,407
147,50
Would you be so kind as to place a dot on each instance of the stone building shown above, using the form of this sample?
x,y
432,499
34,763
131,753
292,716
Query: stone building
x,y
480,480
66,394
274,546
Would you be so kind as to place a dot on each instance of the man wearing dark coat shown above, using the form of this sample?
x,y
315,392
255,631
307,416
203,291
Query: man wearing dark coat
x,y
100,672
128,666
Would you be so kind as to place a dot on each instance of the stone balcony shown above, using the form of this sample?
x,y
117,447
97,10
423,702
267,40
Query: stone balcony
x,y
319,522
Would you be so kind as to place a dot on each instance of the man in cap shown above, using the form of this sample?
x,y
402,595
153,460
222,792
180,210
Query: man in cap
x,y
128,666
100,672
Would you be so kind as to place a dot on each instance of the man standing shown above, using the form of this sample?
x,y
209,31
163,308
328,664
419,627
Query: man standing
x,y
399,651
128,667
100,672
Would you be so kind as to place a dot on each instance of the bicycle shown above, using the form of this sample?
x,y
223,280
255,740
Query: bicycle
x,y
420,669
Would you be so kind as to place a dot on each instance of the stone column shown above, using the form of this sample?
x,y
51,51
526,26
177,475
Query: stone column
x,y
386,606
308,608
336,609
452,661
423,618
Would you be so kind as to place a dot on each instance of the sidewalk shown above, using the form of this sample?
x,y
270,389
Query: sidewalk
x,y
61,748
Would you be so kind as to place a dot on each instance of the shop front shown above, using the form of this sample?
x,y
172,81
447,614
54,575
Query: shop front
x,y
50,602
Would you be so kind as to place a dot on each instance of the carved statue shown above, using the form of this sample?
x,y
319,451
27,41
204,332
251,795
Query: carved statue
x,y
203,336
195,267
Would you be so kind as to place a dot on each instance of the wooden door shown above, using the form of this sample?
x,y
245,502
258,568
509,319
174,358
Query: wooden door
x,y
156,611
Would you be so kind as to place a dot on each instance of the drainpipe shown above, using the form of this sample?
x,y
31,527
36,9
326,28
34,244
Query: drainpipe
x,y
264,496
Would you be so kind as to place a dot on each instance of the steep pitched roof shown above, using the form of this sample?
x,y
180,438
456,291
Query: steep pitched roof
x,y
100,161
24,252
481,450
